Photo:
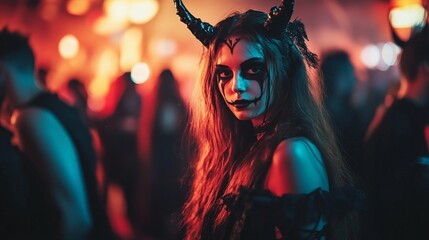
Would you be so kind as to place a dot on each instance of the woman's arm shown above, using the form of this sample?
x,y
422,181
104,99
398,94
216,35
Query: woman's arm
x,y
297,167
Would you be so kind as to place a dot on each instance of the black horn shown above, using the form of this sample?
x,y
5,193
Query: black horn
x,y
279,18
202,31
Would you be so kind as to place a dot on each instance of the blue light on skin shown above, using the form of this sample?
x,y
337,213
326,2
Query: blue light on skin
x,y
242,79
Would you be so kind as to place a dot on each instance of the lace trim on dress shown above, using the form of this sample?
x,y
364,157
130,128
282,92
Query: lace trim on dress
x,y
256,214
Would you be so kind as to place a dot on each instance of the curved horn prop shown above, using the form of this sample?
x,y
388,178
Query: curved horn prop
x,y
279,18
202,31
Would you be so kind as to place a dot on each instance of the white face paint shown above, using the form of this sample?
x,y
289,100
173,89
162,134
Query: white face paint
x,y
242,79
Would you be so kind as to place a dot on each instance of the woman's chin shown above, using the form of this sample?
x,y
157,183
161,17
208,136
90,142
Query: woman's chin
x,y
243,116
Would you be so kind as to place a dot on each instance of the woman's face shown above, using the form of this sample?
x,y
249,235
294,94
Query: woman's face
x,y
242,79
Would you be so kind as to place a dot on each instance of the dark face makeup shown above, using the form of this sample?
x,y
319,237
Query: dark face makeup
x,y
231,44
242,79
253,69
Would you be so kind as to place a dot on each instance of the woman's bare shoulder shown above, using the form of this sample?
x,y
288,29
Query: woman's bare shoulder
x,y
297,167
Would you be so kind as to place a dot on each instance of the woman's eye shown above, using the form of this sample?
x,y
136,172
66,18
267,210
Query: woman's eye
x,y
224,74
254,70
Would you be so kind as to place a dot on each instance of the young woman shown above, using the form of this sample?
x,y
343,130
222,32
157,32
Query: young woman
x,y
259,133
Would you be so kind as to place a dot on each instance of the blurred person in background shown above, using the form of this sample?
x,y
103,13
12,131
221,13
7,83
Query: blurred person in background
x,y
166,165
79,97
14,186
396,151
51,134
340,80
42,75
119,156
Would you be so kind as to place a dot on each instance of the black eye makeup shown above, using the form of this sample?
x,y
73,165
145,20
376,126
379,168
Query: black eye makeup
x,y
253,69
223,73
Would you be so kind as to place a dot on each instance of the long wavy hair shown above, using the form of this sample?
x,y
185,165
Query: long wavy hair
x,y
225,150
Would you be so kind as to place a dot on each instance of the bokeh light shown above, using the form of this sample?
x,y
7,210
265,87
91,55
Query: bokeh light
x,y
131,48
407,16
106,68
142,11
370,56
165,47
140,73
117,10
105,25
78,7
389,53
68,46
134,11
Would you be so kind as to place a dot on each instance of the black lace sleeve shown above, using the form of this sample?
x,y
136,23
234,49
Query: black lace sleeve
x,y
256,215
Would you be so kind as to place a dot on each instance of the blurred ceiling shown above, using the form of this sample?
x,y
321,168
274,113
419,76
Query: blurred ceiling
x,y
330,24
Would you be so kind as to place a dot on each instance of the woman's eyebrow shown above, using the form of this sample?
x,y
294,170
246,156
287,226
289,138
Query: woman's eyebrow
x,y
248,61
221,66
252,60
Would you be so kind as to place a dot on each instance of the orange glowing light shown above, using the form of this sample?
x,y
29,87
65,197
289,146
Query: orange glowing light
x,y
131,48
398,3
117,10
142,11
164,47
107,64
106,68
134,11
78,7
185,66
98,87
105,25
407,16
68,46
49,10
96,104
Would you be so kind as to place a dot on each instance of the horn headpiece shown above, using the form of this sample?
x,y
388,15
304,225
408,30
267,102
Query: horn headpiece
x,y
202,31
278,18
278,26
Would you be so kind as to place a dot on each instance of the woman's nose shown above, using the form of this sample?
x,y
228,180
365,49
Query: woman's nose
x,y
238,84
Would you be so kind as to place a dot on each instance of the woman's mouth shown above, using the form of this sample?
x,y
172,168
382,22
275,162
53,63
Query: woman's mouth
x,y
241,104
